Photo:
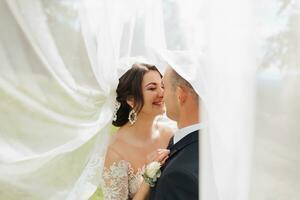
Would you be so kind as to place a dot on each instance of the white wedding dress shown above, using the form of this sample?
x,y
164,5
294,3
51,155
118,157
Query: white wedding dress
x,y
120,182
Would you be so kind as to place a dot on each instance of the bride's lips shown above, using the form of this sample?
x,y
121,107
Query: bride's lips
x,y
158,103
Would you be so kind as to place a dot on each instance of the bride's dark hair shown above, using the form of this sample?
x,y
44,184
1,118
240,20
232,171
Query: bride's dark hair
x,y
130,87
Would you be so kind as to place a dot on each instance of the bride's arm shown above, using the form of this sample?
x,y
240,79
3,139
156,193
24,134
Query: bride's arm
x,y
160,155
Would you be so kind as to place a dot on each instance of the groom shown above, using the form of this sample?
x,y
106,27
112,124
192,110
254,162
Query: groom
x,y
179,178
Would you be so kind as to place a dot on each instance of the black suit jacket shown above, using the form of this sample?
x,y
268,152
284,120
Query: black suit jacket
x,y
179,178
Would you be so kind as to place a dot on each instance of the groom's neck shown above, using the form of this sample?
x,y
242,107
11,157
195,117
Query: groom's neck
x,y
188,117
182,123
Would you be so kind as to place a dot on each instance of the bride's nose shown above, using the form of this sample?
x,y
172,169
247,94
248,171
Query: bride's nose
x,y
161,92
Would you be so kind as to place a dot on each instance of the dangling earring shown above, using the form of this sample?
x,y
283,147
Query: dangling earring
x,y
132,117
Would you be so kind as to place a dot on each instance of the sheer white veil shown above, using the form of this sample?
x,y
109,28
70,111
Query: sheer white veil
x,y
60,64
76,52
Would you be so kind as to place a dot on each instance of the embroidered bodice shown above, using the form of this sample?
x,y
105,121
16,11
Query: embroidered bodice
x,y
120,181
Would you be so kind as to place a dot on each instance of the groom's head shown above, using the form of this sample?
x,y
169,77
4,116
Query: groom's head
x,y
179,96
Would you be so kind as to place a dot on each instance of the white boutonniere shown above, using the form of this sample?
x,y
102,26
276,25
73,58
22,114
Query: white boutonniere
x,y
152,173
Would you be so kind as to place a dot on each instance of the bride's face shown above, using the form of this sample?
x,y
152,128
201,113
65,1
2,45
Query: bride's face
x,y
153,94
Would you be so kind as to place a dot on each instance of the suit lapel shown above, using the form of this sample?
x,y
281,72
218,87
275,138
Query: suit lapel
x,y
170,142
187,140
174,149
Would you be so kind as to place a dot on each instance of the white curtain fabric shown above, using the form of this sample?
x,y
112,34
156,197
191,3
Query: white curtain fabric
x,y
276,161
61,59
226,144
59,69
52,109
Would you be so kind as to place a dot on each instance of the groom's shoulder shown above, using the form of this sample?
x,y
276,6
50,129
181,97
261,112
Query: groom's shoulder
x,y
180,172
186,158
173,178
185,165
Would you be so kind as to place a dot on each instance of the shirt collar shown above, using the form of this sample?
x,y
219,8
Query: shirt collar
x,y
181,133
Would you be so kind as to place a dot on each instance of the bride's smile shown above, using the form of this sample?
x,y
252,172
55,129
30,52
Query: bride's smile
x,y
153,94
158,103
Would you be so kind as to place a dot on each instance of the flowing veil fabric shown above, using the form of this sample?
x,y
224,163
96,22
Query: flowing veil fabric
x,y
60,64
55,110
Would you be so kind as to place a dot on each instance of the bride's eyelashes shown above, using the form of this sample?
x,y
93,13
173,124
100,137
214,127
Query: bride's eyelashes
x,y
152,89
154,86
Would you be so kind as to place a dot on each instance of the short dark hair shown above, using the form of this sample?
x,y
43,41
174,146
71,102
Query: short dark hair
x,y
130,86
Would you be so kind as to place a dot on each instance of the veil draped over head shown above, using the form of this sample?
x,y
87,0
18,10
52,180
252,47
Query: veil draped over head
x,y
60,64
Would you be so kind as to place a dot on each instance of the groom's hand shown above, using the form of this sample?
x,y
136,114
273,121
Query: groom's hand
x,y
159,155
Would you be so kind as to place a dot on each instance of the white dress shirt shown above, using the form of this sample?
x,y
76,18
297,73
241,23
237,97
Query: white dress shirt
x,y
181,133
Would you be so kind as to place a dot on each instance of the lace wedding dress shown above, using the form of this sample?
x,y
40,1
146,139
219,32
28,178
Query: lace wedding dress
x,y
120,182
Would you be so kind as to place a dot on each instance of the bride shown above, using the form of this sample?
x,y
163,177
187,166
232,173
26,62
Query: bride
x,y
140,138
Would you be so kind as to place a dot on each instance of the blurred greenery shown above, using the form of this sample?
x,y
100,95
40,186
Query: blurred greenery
x,y
97,195
113,129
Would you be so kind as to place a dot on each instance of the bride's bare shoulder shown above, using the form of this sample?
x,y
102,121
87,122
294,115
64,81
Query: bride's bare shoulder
x,y
114,151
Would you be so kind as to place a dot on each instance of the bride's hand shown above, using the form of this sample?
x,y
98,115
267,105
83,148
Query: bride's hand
x,y
159,155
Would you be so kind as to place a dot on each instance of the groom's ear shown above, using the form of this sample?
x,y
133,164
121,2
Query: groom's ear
x,y
181,94
130,101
